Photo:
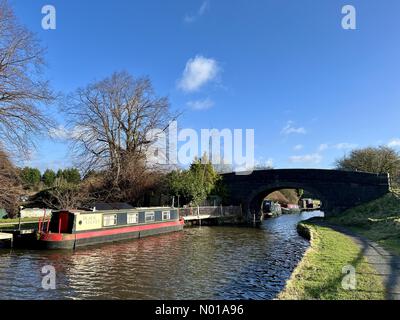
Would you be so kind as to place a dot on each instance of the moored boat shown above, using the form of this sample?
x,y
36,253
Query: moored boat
x,y
69,229
271,209
310,204
290,208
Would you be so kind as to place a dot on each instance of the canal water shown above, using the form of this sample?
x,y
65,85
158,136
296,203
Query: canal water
x,y
198,263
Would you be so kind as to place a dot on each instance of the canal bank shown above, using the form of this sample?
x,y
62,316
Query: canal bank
x,y
335,267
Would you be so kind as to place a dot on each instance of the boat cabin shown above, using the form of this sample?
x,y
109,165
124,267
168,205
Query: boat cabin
x,y
75,221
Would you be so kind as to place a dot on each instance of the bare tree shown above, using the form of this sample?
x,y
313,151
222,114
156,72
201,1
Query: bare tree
x,y
63,195
110,125
10,185
111,119
22,90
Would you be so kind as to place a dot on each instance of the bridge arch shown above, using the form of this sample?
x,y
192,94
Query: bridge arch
x,y
258,195
338,190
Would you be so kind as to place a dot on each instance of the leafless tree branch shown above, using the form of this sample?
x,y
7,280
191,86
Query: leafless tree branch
x,y
23,92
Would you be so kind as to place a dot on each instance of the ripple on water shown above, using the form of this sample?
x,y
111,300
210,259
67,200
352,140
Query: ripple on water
x,y
198,263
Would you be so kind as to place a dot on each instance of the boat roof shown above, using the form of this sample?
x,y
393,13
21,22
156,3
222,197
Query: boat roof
x,y
110,209
111,206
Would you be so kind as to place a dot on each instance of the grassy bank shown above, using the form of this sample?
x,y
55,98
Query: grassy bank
x,y
28,223
319,274
378,220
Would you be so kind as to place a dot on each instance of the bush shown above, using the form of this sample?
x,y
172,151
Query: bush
x,y
49,177
30,177
374,160
195,184
70,175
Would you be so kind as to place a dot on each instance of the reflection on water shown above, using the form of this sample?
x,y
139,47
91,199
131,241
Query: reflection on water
x,y
198,263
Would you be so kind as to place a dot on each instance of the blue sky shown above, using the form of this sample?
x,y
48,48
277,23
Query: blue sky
x,y
287,69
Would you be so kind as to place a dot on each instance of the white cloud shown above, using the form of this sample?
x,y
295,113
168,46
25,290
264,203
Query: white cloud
x,y
59,133
298,147
63,133
345,145
394,143
322,147
289,129
314,158
338,146
200,104
198,72
189,18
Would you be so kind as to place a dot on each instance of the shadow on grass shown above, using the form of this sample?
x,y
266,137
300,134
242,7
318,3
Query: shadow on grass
x,y
392,281
337,282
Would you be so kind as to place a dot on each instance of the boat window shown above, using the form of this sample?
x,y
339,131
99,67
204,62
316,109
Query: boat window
x,y
149,216
166,215
109,220
133,218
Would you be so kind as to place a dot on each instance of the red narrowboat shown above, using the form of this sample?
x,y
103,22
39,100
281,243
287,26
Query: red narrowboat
x,y
70,229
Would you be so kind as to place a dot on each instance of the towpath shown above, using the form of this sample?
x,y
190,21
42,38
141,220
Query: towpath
x,y
386,264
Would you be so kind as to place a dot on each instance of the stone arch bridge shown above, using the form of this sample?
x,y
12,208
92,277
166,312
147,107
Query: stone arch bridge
x,y
338,190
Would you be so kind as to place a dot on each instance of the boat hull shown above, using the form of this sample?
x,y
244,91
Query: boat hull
x,y
73,241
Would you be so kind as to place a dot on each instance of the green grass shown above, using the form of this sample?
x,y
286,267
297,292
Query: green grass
x,y
319,274
16,221
378,220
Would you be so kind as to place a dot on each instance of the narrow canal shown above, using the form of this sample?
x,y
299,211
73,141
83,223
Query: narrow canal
x,y
198,263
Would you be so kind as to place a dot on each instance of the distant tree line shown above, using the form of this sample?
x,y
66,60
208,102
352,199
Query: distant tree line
x,y
32,177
